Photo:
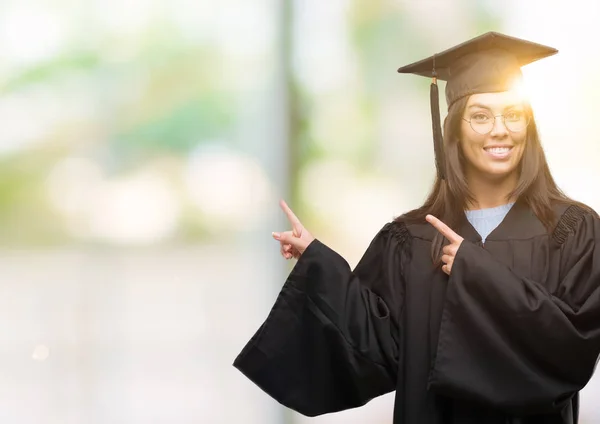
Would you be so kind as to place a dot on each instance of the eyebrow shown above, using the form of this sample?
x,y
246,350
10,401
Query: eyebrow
x,y
482,106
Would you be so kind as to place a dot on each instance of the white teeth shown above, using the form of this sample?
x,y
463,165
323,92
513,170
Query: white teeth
x,y
498,149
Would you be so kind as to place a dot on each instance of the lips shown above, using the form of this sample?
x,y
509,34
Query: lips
x,y
498,152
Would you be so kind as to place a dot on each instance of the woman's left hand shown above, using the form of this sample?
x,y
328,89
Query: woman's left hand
x,y
450,249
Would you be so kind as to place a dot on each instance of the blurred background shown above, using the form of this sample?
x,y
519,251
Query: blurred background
x,y
144,145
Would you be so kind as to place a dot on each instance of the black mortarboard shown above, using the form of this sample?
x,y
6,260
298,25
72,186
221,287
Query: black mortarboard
x,y
489,63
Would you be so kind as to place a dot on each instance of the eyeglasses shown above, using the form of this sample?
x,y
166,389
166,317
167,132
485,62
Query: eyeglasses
x,y
483,122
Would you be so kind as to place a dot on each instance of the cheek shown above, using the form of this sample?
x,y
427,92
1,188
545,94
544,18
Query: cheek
x,y
471,143
520,143
519,138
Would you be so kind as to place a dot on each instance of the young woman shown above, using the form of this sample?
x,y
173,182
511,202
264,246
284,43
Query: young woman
x,y
481,306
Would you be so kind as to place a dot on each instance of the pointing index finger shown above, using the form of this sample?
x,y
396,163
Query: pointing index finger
x,y
443,229
296,225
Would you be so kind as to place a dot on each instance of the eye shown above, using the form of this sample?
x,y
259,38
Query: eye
x,y
514,115
480,117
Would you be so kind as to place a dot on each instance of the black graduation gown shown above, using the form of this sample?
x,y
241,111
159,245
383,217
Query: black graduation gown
x,y
510,337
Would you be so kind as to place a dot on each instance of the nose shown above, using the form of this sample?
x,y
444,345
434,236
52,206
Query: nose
x,y
499,130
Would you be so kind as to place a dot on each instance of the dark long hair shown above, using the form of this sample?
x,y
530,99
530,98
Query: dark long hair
x,y
449,198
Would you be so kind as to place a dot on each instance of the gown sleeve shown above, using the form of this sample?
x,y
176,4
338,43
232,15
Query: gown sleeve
x,y
331,340
508,341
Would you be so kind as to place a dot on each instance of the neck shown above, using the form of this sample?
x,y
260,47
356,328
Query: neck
x,y
491,193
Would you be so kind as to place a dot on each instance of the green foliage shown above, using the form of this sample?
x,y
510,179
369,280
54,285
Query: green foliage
x,y
179,129
51,70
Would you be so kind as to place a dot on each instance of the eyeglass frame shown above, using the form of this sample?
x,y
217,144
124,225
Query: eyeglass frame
x,y
528,116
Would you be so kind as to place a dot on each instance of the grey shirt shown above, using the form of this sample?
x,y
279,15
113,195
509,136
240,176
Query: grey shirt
x,y
486,220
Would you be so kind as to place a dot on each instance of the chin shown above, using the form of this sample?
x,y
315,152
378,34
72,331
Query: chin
x,y
497,172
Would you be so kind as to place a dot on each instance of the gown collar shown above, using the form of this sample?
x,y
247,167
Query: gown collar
x,y
518,224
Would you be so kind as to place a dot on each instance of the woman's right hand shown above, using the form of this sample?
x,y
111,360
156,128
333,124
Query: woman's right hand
x,y
293,243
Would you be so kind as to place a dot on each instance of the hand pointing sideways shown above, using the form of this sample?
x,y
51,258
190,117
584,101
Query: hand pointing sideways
x,y
293,243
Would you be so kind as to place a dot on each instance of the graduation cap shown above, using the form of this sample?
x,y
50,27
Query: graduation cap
x,y
489,63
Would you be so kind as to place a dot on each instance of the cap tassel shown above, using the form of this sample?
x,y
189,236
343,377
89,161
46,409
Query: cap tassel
x,y
438,141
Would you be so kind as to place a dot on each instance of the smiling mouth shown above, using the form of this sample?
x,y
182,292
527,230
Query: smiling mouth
x,y
498,152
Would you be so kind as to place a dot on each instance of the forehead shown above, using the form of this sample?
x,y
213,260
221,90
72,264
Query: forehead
x,y
497,100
